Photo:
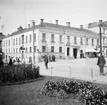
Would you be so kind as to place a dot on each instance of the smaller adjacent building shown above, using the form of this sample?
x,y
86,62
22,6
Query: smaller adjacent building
x,y
1,37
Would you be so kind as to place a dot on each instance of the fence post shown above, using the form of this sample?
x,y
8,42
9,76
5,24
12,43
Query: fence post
x,y
70,70
91,74
51,71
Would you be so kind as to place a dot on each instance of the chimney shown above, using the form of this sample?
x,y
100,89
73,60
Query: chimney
x,y
28,25
68,24
81,26
20,28
33,23
41,21
100,21
56,22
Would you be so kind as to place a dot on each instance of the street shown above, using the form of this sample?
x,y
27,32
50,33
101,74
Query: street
x,y
84,69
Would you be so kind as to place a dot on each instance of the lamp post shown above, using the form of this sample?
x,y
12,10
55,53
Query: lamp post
x,y
101,25
101,63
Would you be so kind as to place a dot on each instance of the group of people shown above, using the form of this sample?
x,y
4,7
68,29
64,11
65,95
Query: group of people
x,y
10,62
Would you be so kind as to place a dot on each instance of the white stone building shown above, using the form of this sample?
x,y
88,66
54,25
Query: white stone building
x,y
63,41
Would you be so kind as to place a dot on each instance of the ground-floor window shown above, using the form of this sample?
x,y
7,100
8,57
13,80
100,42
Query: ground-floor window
x,y
52,48
43,48
30,59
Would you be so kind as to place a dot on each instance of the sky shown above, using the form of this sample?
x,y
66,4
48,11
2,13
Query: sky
x,y
14,13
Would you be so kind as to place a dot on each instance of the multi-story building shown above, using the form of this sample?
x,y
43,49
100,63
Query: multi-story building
x,y
63,41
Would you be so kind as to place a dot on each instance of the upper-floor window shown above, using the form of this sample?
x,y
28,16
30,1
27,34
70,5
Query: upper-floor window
x,y
30,50
52,37
34,37
68,39
16,50
87,41
26,39
60,49
92,42
43,48
81,40
104,41
13,41
34,48
52,48
22,39
75,40
43,37
9,42
19,40
16,41
26,49
97,42
30,38
60,38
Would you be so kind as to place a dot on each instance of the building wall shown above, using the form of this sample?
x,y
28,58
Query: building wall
x,y
13,49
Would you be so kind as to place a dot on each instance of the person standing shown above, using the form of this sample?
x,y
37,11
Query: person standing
x,y
103,61
46,61
10,62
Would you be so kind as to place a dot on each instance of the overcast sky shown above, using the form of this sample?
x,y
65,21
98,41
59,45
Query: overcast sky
x,y
79,12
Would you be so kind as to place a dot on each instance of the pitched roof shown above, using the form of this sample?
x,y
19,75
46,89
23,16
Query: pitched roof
x,y
51,25
68,28
2,36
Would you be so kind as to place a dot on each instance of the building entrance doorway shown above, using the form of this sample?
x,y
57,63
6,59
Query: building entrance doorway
x,y
67,51
75,52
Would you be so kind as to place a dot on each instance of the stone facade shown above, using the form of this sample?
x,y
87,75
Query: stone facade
x,y
31,43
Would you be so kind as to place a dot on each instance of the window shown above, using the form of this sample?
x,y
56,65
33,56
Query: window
x,y
104,41
92,42
43,37
68,39
26,40
34,37
43,48
30,39
19,40
9,42
19,50
16,50
26,50
52,38
22,39
13,50
3,43
60,49
52,48
97,42
86,41
75,40
34,48
30,49
81,41
60,38
16,41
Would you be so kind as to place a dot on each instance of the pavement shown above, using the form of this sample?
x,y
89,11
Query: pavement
x,y
83,69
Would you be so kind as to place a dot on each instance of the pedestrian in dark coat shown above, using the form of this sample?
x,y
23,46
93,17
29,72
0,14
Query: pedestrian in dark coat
x,y
10,62
46,61
1,62
103,61
53,58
